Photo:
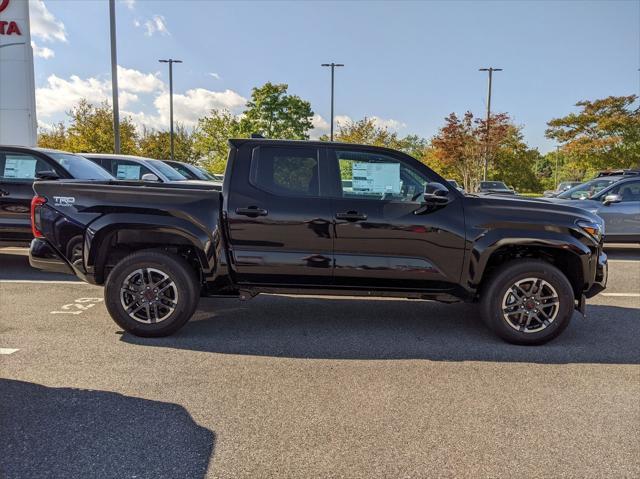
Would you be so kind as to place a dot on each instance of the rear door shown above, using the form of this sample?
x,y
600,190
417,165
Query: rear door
x,y
17,173
380,241
279,225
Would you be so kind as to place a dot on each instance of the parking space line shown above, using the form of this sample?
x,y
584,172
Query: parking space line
x,y
622,295
8,350
623,261
43,281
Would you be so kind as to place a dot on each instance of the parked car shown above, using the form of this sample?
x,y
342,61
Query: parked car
x,y
135,168
619,205
283,223
19,166
456,185
588,189
623,172
192,172
562,187
495,187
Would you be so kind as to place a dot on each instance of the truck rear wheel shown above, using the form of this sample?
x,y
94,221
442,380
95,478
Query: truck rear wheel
x,y
528,302
151,293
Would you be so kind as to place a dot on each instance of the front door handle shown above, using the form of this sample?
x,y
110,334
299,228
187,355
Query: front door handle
x,y
251,211
4,193
351,216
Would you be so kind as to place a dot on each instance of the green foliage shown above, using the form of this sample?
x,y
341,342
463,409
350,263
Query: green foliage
x,y
276,114
157,144
211,137
366,132
54,138
91,130
514,162
604,133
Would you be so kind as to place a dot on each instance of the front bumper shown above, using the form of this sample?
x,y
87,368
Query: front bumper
x,y
44,257
601,276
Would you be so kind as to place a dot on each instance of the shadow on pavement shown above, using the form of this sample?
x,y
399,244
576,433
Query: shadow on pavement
x,y
359,329
14,265
64,433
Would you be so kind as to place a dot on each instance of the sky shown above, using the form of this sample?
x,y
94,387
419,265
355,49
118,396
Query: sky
x,y
408,64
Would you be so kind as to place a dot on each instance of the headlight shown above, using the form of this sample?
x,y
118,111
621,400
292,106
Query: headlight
x,y
596,230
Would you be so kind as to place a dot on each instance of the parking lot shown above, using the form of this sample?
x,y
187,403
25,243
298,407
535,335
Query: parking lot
x,y
308,387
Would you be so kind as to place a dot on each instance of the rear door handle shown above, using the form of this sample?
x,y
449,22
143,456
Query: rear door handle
x,y
351,216
251,211
4,193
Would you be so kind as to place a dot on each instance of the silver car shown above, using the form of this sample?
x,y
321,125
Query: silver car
x,y
617,203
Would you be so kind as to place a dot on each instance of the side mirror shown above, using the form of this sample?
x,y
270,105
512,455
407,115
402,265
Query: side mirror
x,y
609,199
47,175
435,193
150,177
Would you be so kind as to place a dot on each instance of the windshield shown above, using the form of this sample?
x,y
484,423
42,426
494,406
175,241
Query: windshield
x,y
206,174
167,171
80,168
493,185
453,183
586,190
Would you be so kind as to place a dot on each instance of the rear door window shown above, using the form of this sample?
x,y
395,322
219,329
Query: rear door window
x,y
286,171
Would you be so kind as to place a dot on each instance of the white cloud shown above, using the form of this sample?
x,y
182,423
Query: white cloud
x,y
214,75
196,103
129,3
44,24
42,52
389,124
156,24
320,127
136,81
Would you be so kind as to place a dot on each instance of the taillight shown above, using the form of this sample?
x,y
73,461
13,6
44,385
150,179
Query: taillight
x,y
36,203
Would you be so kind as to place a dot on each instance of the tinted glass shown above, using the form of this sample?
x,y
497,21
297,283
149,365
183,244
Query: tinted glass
x,y
376,176
79,167
20,167
493,185
186,172
286,171
167,171
586,190
629,191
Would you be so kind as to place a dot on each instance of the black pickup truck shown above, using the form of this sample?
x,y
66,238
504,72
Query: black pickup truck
x,y
326,219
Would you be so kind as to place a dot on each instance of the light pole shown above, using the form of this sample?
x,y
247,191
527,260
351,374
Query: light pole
x,y
486,153
114,77
333,68
171,61
557,157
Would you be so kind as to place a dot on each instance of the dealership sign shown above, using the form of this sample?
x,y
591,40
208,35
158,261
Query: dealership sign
x,y
8,27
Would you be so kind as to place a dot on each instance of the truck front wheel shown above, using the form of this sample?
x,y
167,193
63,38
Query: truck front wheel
x,y
527,302
151,293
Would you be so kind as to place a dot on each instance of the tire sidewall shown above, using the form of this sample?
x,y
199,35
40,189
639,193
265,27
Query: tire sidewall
x,y
171,265
514,272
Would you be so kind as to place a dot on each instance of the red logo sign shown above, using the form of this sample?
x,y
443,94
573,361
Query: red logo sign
x,y
3,4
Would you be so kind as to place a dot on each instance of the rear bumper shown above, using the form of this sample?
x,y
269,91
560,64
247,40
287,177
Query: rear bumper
x,y
44,257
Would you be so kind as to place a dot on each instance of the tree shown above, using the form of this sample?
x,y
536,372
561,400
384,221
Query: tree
x,y
514,162
157,144
55,138
604,133
211,136
366,132
91,130
276,114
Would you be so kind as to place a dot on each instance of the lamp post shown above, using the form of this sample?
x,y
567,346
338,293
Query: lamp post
x,y
114,77
486,153
171,61
333,68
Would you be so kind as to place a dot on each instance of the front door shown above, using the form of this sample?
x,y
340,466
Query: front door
x,y
622,220
17,173
278,223
380,241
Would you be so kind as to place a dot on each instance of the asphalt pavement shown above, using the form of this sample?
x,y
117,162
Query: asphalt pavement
x,y
313,387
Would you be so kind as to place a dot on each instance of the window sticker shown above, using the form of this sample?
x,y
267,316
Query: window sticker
x,y
376,177
128,172
20,168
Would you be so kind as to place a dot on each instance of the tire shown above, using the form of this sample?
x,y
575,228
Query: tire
x,y
517,302
152,312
